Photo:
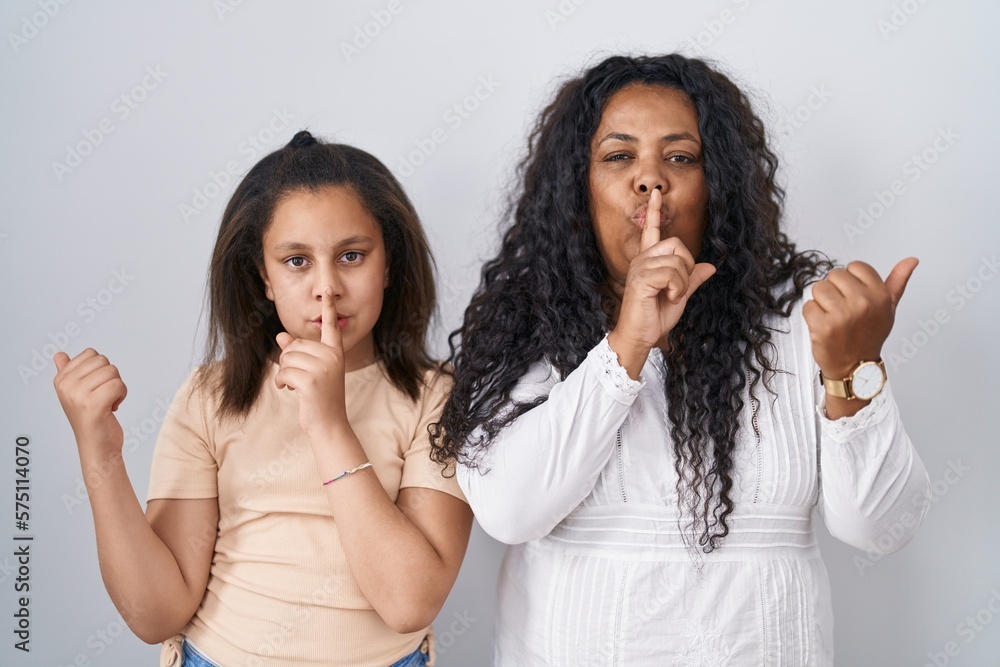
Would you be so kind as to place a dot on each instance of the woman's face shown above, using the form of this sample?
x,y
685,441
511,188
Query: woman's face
x,y
648,138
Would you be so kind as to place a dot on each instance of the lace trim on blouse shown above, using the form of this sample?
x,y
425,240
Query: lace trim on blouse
x,y
846,428
613,370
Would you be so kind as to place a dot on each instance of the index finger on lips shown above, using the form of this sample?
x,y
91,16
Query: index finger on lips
x,y
651,226
329,333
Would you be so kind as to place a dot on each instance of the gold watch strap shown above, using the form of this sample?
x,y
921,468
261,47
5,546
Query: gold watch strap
x,y
838,388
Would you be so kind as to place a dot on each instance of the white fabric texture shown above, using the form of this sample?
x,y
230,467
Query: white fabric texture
x,y
583,488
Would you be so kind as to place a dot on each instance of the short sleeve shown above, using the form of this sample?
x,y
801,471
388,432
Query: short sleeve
x,y
184,463
418,468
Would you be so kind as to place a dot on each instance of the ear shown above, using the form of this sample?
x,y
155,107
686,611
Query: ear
x,y
267,283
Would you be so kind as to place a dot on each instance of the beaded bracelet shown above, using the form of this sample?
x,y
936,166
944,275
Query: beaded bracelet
x,y
348,472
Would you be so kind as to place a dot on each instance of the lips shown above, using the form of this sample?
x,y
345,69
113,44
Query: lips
x,y
639,217
341,322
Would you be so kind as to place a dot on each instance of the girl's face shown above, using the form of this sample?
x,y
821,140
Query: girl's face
x,y
648,138
319,239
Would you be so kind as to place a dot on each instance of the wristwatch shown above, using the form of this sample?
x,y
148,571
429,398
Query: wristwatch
x,y
864,381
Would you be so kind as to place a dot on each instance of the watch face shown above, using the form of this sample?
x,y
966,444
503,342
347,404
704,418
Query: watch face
x,y
867,380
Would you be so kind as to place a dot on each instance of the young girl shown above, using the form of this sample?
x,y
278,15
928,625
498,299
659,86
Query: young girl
x,y
294,515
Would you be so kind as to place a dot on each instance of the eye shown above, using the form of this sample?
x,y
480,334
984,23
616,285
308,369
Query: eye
x,y
681,159
351,257
296,262
617,157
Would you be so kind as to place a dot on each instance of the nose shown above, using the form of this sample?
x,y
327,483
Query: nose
x,y
649,175
327,276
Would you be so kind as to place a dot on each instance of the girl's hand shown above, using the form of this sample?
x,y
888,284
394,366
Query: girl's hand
x,y
851,314
315,372
661,279
90,390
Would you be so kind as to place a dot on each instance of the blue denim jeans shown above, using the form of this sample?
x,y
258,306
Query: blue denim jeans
x,y
192,657
415,659
195,658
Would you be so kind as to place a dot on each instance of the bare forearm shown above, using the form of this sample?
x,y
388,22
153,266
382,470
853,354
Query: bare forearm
x,y
139,571
395,565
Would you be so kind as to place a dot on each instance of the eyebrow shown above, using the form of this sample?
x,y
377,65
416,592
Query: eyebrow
x,y
669,138
296,246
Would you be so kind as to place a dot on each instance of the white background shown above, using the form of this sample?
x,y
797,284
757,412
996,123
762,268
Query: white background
x,y
884,80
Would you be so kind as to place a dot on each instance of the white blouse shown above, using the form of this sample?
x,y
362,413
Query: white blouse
x,y
583,488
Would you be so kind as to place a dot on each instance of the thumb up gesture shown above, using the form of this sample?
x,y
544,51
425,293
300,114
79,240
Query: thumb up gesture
x,y
851,314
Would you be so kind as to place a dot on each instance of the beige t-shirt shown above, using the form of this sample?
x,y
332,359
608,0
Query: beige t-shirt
x,y
280,590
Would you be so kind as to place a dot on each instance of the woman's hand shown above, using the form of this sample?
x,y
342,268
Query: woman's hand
x,y
90,390
661,279
315,371
849,318
851,314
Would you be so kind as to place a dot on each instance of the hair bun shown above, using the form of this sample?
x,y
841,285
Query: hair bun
x,y
302,139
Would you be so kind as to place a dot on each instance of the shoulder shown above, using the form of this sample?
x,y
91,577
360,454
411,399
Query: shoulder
x,y
537,381
436,384
199,395
433,386
790,333
203,383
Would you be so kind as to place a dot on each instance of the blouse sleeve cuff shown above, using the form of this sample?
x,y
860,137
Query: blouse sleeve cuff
x,y
612,376
846,428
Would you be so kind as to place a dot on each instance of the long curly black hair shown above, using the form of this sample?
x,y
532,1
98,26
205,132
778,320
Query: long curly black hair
x,y
545,297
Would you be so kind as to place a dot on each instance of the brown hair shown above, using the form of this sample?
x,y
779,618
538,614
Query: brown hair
x,y
243,322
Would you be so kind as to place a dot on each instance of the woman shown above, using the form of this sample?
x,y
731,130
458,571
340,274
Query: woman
x,y
637,406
